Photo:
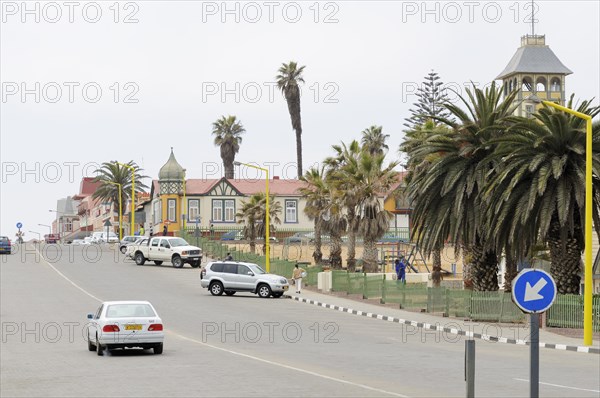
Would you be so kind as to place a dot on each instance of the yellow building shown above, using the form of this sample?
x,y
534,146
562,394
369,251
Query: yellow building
x,y
537,73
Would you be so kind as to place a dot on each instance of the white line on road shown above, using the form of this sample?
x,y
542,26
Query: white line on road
x,y
561,386
363,386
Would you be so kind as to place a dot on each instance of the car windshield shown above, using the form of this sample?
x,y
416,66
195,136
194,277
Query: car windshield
x,y
178,242
3,238
129,311
256,269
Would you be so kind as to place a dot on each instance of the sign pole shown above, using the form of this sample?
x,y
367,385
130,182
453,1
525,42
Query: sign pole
x,y
534,360
470,367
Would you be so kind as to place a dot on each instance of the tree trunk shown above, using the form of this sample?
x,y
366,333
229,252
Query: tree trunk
x,y
484,269
370,256
565,258
510,272
351,259
467,268
318,254
299,150
228,170
335,252
436,274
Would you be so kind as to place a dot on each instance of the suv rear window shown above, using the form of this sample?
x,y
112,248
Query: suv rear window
x,y
217,267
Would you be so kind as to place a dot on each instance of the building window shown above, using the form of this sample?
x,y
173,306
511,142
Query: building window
x,y
223,210
172,211
157,212
193,209
229,210
217,210
529,110
68,225
291,211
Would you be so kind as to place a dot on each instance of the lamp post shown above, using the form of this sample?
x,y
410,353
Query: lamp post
x,y
38,234
49,228
184,205
132,221
587,293
120,208
267,237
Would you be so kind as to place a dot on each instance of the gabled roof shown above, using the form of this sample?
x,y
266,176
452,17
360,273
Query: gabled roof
x,y
534,59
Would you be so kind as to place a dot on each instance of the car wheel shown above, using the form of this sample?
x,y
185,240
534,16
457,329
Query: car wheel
x,y
230,293
277,295
216,288
264,291
158,349
99,348
158,262
177,262
123,249
91,347
139,259
195,263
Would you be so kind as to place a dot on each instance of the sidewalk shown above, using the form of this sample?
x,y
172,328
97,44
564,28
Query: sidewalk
x,y
504,333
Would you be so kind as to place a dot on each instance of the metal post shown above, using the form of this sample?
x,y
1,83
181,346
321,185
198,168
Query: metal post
x,y
534,363
470,367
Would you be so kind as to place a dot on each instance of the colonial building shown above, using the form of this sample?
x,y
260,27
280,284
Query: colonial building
x,y
537,73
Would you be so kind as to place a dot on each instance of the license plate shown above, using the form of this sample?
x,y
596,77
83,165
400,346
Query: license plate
x,y
133,327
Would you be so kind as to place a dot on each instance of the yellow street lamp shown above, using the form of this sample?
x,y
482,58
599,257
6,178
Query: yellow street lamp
x,y
120,209
587,293
132,221
267,237
184,205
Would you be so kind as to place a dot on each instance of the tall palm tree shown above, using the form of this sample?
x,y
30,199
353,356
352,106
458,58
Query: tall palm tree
x,y
288,80
370,179
538,196
111,173
374,140
344,191
447,199
415,165
316,193
228,136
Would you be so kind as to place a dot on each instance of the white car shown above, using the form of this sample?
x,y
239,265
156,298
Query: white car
x,y
128,240
101,237
125,324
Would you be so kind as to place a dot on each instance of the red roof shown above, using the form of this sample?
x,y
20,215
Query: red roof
x,y
87,187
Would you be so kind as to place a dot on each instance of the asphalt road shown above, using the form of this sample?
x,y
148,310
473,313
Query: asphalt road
x,y
235,346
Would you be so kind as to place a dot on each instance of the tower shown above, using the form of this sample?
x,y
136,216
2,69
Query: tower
x,y
170,183
535,71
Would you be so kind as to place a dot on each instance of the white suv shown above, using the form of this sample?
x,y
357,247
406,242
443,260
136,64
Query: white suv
x,y
229,277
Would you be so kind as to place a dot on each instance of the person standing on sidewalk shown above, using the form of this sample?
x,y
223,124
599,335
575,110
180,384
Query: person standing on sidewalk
x,y
297,277
165,230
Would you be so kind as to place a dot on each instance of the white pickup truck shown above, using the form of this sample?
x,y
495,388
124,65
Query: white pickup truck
x,y
168,248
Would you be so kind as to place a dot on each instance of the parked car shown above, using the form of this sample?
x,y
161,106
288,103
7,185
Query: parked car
x,y
233,235
125,324
51,238
168,248
126,241
5,245
87,240
230,277
102,237
77,242
297,238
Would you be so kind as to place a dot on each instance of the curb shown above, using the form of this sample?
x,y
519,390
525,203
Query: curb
x,y
428,326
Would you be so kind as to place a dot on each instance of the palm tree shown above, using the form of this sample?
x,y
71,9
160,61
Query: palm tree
x,y
415,165
447,200
274,212
538,195
110,174
335,225
288,80
370,179
344,191
373,140
316,193
228,136
247,215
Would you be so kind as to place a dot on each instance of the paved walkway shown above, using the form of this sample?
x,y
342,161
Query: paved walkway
x,y
504,333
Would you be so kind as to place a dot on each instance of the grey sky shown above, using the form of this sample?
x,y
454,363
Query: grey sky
x,y
360,71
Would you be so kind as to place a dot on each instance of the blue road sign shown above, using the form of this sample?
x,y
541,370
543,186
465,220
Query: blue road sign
x,y
533,290
19,225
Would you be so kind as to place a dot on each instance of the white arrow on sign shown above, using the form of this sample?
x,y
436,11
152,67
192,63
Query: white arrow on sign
x,y
533,292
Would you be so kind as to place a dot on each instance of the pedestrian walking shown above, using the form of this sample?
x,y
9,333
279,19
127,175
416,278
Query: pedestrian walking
x,y
142,230
401,270
229,257
297,277
165,230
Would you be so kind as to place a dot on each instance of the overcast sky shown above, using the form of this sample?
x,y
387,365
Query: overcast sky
x,y
128,82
